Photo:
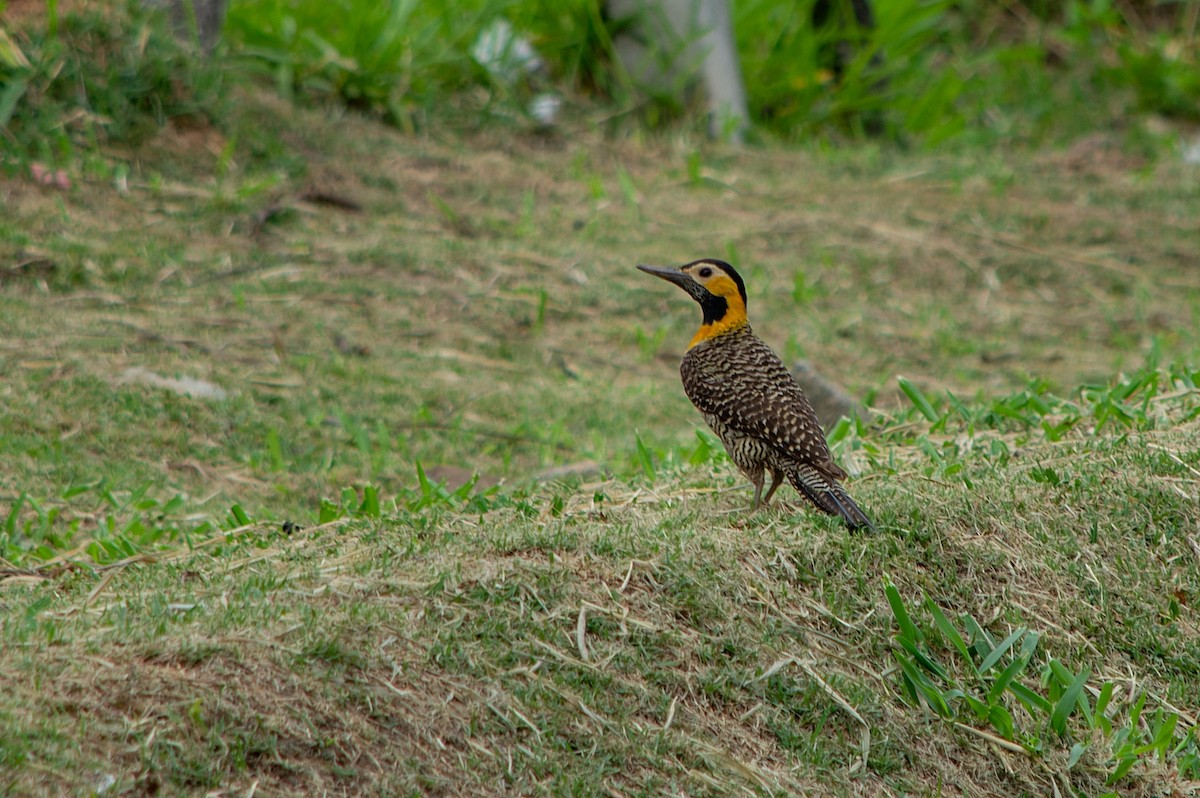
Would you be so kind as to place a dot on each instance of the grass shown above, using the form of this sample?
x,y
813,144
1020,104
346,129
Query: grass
x,y
449,526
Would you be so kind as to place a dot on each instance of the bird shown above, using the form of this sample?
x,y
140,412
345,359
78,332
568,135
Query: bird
x,y
749,398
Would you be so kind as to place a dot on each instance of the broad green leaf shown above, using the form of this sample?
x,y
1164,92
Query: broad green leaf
x,y
999,651
949,632
1066,704
370,502
918,399
1164,736
1005,678
1029,698
1001,721
927,662
908,630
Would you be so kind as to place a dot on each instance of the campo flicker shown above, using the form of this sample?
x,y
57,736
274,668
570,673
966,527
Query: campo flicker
x,y
749,398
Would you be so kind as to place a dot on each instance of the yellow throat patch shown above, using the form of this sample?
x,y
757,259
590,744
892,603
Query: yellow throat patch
x,y
734,317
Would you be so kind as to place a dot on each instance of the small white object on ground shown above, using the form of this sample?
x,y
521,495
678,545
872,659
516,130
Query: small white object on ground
x,y
184,386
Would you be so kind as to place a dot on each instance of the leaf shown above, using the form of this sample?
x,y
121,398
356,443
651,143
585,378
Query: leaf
x,y
1164,736
1135,713
1065,705
239,515
1077,751
445,209
950,633
980,708
1029,645
14,513
644,458
908,630
1001,721
328,512
1029,698
423,481
1005,678
920,686
1061,673
10,98
981,641
999,651
927,662
1102,701
918,399
11,55
1122,768
370,502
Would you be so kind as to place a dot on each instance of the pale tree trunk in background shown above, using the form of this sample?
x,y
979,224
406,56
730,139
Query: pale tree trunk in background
x,y
195,20
674,46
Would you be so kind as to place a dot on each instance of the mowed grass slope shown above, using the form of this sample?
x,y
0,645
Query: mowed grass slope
x,y
368,301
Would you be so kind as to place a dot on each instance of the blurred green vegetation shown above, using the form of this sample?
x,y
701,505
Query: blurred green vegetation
x,y
70,84
931,71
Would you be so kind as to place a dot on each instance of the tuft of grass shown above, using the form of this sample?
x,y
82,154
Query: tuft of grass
x,y
1020,716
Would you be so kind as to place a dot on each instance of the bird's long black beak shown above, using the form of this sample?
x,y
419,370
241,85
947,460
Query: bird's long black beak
x,y
670,275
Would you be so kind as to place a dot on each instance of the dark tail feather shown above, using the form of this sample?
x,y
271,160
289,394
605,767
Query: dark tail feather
x,y
830,497
850,512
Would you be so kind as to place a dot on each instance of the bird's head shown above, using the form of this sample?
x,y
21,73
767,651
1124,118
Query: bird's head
x,y
716,286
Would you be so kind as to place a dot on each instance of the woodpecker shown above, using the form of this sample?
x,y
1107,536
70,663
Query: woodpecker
x,y
749,398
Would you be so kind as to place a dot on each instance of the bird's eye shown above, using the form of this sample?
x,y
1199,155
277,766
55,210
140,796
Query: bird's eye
x,y
706,272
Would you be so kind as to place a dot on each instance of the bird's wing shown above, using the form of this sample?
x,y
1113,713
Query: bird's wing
x,y
757,396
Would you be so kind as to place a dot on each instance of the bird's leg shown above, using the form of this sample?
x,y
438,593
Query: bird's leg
x,y
757,480
776,479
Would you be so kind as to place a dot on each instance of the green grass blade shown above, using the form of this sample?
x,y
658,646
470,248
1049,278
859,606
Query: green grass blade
x,y
999,651
1164,737
927,690
1005,678
645,459
1030,699
1077,752
908,630
1066,704
10,97
1061,673
927,662
950,633
1106,693
239,515
981,641
1123,767
918,399
1029,645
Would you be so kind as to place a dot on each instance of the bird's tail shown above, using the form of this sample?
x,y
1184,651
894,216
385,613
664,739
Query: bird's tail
x,y
829,496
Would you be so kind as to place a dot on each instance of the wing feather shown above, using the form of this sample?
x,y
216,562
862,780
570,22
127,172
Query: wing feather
x,y
745,384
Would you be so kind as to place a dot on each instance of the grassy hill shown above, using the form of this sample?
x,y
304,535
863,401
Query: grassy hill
x,y
283,577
